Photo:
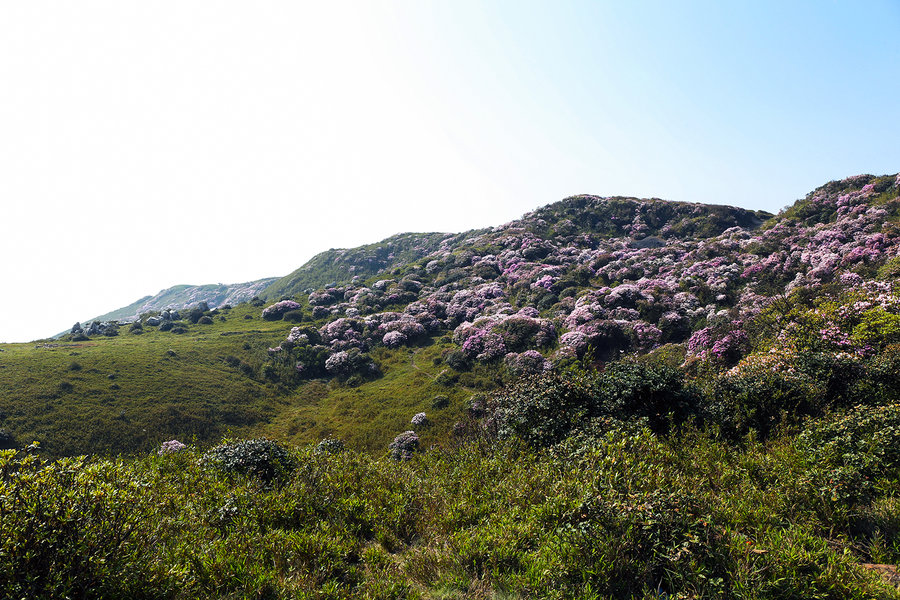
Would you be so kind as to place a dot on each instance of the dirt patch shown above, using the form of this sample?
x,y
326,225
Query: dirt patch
x,y
889,573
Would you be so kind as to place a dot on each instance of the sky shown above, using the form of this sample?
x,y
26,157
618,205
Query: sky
x,y
150,144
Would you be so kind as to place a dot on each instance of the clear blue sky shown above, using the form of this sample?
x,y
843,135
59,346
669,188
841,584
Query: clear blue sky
x,y
144,145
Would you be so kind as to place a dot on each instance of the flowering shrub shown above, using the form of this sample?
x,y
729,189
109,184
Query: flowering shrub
x,y
171,447
346,363
277,310
724,344
530,362
404,446
419,419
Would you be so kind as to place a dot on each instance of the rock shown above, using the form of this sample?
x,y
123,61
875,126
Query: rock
x,y
153,321
77,328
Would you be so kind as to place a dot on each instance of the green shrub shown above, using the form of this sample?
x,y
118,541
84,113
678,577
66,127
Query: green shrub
x,y
74,529
854,450
264,459
293,316
329,446
455,359
546,409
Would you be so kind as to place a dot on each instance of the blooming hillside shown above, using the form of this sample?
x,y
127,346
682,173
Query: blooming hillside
x,y
612,275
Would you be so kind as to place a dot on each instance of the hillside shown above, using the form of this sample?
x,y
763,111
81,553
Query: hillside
x,y
584,278
607,398
183,296
340,266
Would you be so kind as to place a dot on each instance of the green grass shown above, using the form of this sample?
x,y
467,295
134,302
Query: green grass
x,y
130,392
369,415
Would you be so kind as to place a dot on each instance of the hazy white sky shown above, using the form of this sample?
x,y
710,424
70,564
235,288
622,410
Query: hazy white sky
x,y
144,145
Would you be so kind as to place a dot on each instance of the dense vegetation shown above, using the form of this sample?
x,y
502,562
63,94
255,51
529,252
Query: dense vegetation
x,y
607,398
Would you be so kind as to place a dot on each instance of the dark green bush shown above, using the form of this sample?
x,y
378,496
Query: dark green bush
x,y
7,440
546,409
655,391
264,459
455,359
329,446
293,316
761,401
205,320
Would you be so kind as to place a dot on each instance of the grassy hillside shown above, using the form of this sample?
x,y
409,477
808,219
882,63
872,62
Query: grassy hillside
x,y
340,266
130,392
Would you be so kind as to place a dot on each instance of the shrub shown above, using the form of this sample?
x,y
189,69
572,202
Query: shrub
x,y
404,446
293,316
329,446
546,409
205,320
171,447
74,530
761,393
419,419
654,391
277,310
346,363
455,359
136,328
264,459
854,450
7,440
446,378
165,325
440,401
